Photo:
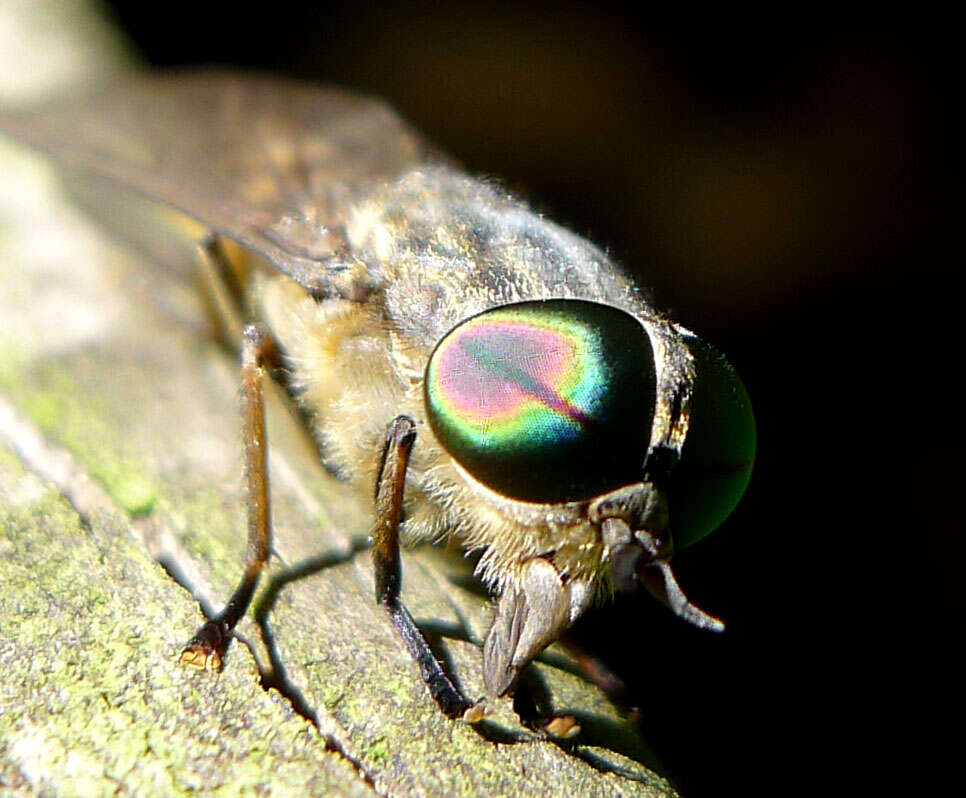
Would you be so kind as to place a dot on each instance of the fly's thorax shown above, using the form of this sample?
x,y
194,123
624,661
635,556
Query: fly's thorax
x,y
444,246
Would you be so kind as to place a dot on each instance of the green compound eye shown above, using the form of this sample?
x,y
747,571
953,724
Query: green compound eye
x,y
547,401
719,450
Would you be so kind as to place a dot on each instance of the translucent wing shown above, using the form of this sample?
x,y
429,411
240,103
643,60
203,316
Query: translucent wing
x,y
270,163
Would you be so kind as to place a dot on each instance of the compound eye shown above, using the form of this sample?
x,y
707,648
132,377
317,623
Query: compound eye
x,y
547,401
718,452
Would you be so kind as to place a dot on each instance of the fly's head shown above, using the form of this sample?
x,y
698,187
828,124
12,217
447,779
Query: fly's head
x,y
604,440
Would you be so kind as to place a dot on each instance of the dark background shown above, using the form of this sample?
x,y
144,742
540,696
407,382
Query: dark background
x,y
786,186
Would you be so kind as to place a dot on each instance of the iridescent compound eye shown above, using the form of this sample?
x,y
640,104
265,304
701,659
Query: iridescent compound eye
x,y
547,401
719,450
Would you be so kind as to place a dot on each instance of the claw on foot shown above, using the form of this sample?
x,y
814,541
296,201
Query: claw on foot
x,y
206,649
200,658
476,713
562,727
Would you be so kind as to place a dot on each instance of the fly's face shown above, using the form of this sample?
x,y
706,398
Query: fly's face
x,y
640,434
560,403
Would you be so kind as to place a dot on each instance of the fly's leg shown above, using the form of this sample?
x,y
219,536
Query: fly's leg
x,y
531,613
386,561
207,648
595,670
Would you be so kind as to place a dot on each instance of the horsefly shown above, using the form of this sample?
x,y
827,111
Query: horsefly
x,y
497,378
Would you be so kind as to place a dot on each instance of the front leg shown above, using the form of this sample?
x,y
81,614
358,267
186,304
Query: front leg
x,y
532,612
386,561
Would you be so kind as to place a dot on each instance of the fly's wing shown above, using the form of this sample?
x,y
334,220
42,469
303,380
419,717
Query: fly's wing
x,y
270,163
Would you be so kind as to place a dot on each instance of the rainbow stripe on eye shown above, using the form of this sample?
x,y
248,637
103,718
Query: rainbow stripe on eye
x,y
519,377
